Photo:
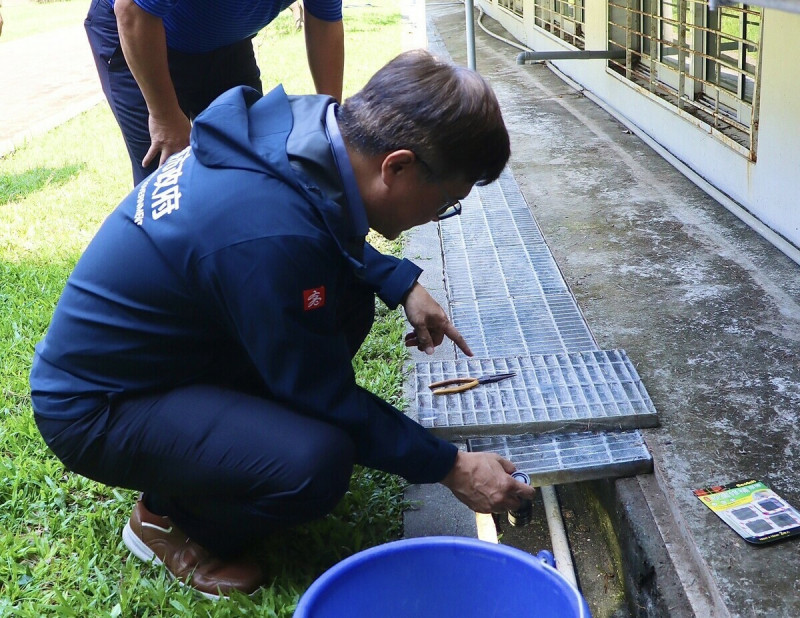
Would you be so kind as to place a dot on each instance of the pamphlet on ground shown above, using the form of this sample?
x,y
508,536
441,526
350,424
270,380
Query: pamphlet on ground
x,y
753,510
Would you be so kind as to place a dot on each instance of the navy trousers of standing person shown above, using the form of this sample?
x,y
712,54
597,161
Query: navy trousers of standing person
x,y
225,462
198,80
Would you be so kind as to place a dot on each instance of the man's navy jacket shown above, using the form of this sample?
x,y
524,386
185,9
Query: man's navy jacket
x,y
231,255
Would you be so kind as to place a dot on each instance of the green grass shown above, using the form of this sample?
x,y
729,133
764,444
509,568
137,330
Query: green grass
x,y
24,18
60,548
368,46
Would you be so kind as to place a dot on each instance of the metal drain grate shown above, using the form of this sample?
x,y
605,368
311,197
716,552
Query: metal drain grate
x,y
522,326
566,458
554,392
505,291
507,296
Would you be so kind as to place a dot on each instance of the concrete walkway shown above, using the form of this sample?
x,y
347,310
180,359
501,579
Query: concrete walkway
x,y
45,80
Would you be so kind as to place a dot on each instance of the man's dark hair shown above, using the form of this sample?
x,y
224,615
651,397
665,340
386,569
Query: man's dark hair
x,y
446,114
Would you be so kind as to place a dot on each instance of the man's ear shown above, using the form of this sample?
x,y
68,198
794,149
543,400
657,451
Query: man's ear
x,y
396,165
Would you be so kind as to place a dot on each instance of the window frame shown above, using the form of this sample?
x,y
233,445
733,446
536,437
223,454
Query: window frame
x,y
689,79
564,19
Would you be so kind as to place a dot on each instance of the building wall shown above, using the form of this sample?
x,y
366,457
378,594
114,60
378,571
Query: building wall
x,y
768,188
775,184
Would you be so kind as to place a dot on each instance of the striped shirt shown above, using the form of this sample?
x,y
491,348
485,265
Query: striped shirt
x,y
197,26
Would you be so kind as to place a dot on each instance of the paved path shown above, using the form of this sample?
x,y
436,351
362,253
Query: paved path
x,y
45,79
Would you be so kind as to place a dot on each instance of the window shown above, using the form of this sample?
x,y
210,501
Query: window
x,y
515,6
562,18
704,62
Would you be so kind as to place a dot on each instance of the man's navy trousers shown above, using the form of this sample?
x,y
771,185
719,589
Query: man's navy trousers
x,y
198,80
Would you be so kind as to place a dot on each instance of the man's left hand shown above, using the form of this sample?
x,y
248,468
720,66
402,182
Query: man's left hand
x,y
430,323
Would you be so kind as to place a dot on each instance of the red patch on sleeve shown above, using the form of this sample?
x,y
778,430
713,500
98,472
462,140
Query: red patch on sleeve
x,y
314,298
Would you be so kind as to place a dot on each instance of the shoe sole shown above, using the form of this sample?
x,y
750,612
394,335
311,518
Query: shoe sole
x,y
138,548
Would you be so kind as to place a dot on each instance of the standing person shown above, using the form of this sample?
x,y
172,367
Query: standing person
x,y
201,350
162,62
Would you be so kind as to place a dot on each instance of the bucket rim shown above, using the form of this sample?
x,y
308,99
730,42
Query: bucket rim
x,y
365,555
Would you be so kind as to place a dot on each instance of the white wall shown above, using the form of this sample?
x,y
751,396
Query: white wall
x,y
775,185
769,188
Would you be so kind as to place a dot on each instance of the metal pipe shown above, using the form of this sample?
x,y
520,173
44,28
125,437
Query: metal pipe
x,y
487,529
468,10
558,535
602,54
481,13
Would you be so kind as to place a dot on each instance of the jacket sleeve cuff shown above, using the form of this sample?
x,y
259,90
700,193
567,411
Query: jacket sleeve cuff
x,y
399,283
390,277
438,466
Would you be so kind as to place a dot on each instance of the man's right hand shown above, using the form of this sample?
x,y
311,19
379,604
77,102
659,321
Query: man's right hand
x,y
483,482
167,137
430,322
144,45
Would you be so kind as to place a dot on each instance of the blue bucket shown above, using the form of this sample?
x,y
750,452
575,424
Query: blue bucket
x,y
441,577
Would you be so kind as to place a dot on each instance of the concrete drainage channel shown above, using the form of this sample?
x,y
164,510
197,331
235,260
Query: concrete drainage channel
x,y
559,418
592,547
617,575
612,568
569,419
618,526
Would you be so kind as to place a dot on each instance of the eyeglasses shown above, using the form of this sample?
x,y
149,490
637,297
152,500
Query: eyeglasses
x,y
451,206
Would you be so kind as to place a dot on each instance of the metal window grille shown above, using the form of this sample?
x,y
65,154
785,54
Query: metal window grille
x,y
562,18
705,62
515,6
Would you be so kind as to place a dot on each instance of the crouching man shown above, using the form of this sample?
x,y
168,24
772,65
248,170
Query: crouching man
x,y
201,350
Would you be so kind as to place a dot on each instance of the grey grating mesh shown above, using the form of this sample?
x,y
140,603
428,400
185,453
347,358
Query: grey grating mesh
x,y
554,392
506,293
508,298
522,326
584,456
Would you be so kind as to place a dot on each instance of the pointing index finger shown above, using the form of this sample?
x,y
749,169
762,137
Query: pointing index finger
x,y
452,332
